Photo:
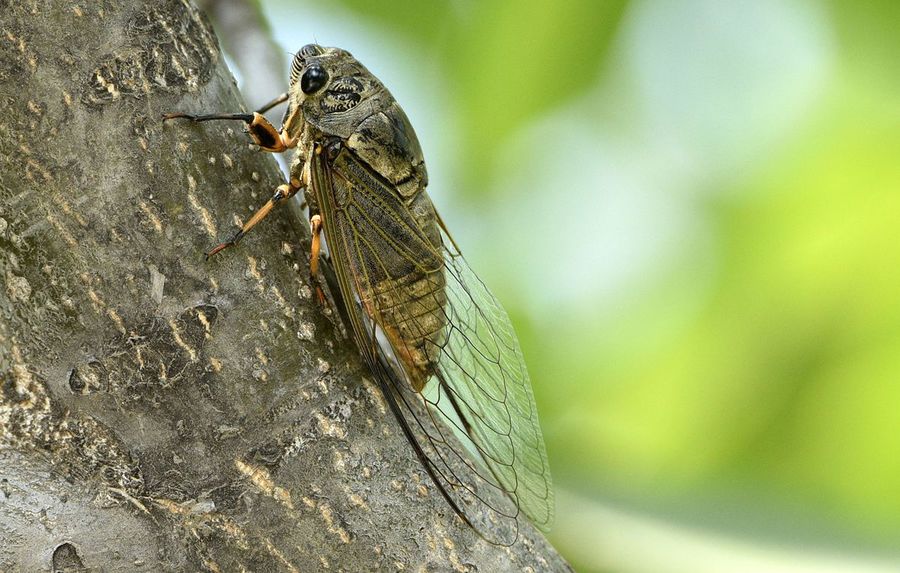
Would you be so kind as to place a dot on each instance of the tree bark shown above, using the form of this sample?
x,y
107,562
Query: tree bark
x,y
159,412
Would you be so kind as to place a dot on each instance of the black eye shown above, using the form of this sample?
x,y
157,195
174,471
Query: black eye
x,y
314,79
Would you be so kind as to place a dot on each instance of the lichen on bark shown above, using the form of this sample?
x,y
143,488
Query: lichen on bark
x,y
159,412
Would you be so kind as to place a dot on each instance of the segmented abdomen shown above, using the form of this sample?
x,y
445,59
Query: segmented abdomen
x,y
410,311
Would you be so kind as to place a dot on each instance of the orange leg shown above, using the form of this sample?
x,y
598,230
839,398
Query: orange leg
x,y
261,130
315,226
283,193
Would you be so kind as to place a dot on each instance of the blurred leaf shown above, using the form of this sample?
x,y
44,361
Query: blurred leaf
x,y
421,21
868,37
513,60
789,377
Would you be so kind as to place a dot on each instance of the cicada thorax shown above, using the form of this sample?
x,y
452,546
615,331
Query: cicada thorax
x,y
395,254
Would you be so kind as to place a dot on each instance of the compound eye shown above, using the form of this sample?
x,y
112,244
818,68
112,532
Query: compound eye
x,y
314,79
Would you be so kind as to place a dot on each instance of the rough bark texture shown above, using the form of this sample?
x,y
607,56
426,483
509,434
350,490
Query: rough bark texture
x,y
158,412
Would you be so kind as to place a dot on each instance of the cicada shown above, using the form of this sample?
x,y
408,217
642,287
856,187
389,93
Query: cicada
x,y
439,344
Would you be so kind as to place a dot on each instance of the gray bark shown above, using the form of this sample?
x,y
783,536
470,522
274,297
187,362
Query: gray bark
x,y
158,412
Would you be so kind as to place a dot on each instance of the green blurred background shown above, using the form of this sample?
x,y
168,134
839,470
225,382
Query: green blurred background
x,y
692,212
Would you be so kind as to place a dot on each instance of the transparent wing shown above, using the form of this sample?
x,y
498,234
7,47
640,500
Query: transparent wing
x,y
420,315
483,372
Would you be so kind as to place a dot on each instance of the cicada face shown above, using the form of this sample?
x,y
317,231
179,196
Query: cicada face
x,y
331,91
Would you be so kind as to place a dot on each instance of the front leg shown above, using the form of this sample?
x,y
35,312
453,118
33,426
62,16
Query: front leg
x,y
261,130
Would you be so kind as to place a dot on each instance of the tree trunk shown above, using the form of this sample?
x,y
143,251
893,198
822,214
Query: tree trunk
x,y
159,412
